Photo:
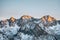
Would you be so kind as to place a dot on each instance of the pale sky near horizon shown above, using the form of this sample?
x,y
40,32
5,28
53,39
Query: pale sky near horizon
x,y
34,8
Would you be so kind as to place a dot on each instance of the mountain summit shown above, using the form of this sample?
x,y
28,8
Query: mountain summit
x,y
48,20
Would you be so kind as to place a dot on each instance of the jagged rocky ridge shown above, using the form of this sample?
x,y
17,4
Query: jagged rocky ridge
x,y
30,28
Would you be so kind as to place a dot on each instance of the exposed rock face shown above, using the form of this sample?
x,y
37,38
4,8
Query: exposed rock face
x,y
29,28
48,20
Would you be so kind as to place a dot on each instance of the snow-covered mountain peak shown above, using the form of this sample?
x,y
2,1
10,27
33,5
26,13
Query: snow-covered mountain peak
x,y
48,20
26,17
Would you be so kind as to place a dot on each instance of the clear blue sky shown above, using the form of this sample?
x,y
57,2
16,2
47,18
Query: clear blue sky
x,y
35,8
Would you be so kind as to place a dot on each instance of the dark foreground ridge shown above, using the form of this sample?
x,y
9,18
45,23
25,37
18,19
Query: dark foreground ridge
x,y
30,28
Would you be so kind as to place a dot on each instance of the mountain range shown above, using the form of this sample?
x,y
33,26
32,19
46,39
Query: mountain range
x,y
30,28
